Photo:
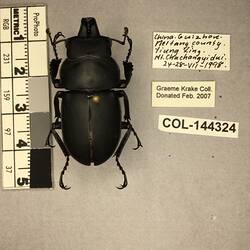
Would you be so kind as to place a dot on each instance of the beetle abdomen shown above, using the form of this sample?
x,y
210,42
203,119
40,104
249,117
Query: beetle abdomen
x,y
91,125
90,73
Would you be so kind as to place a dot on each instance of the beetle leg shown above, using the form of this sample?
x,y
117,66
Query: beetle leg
x,y
122,93
127,123
136,136
54,67
47,143
61,184
56,104
66,154
125,181
57,125
117,155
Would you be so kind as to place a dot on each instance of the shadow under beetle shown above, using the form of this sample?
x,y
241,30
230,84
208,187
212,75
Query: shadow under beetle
x,y
90,113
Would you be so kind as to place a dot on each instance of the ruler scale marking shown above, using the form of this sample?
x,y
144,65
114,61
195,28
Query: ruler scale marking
x,y
11,47
16,65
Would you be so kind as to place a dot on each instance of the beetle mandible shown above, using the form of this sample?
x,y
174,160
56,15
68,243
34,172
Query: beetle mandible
x,y
89,114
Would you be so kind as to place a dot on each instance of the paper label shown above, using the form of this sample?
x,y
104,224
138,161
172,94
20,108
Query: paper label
x,y
198,126
37,23
183,94
191,51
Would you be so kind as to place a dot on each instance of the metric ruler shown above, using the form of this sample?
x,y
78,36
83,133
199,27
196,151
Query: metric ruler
x,y
25,116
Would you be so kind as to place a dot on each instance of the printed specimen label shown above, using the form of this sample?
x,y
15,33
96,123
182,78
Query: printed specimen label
x,y
183,94
198,126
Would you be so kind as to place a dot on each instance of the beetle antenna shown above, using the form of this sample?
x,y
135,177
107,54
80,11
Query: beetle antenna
x,y
125,37
57,35
54,41
61,184
130,48
125,181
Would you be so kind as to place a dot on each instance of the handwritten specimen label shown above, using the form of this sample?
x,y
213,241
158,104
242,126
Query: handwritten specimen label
x,y
198,126
183,94
191,51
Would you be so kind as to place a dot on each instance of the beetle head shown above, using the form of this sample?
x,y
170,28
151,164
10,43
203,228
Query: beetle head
x,y
88,28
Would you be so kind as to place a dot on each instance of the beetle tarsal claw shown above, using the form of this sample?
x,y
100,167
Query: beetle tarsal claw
x,y
65,187
138,143
137,147
125,181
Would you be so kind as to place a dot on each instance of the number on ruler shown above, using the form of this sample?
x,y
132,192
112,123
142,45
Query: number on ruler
x,y
6,58
7,131
20,108
8,169
18,71
22,181
21,143
6,95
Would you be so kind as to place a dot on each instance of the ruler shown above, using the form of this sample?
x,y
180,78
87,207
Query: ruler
x,y
25,116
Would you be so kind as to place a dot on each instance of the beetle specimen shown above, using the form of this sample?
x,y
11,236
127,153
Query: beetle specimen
x,y
90,113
